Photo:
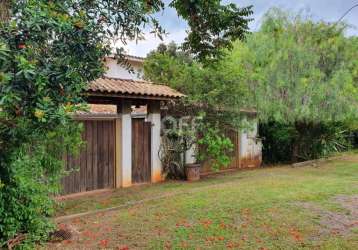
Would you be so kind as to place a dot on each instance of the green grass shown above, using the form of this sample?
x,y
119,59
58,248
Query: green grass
x,y
245,209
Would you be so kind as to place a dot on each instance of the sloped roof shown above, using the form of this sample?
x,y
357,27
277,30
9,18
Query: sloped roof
x,y
129,87
130,58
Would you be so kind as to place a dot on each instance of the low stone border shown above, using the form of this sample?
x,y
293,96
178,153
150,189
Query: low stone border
x,y
315,162
83,194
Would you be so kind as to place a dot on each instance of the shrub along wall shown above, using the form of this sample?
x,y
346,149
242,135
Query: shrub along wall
x,y
283,143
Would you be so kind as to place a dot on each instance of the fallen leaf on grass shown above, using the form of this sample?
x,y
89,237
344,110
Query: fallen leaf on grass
x,y
231,245
296,235
103,243
206,223
67,242
89,234
184,244
105,202
76,221
223,225
167,245
220,238
183,223
123,248
62,226
210,238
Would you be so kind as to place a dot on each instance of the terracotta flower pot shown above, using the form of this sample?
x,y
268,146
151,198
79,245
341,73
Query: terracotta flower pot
x,y
192,172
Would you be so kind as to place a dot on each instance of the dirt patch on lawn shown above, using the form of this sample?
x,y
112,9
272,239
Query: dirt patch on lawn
x,y
337,222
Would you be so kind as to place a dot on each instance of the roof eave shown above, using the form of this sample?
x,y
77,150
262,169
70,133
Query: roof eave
x,y
131,96
130,58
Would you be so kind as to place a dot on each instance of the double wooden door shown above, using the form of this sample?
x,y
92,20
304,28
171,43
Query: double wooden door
x,y
94,167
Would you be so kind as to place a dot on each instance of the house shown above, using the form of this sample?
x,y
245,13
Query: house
x,y
123,133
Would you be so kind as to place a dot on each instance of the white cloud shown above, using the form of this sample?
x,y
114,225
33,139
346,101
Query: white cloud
x,y
143,47
328,10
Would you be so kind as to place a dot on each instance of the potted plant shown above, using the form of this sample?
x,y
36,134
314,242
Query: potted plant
x,y
190,157
178,153
192,171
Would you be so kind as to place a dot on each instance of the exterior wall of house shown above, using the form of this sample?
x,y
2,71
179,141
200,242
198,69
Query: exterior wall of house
x,y
190,155
250,146
154,117
116,70
247,151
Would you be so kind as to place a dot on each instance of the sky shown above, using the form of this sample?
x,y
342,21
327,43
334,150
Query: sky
x,y
327,10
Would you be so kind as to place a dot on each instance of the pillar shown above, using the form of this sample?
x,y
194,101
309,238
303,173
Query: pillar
x,y
118,174
125,144
154,118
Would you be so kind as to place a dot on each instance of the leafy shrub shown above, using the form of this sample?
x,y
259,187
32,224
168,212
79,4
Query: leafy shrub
x,y
49,52
216,147
33,173
290,143
210,145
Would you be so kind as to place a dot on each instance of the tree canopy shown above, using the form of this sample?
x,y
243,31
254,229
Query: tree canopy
x,y
299,73
214,92
49,52
298,70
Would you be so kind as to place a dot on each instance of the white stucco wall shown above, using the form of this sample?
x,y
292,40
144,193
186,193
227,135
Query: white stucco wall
x,y
116,70
250,145
126,142
190,157
156,164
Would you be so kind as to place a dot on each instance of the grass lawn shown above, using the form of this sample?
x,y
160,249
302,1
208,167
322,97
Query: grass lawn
x,y
268,208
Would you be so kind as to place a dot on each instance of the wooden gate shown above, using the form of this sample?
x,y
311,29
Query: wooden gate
x,y
234,137
96,162
235,162
141,150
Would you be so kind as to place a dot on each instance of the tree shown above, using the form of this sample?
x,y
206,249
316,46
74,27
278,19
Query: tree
x,y
213,90
212,95
300,73
49,52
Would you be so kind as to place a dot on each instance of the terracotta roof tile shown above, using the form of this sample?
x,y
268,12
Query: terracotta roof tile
x,y
132,87
99,108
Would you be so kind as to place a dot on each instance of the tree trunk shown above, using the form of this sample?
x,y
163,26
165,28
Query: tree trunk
x,y
5,10
295,151
300,128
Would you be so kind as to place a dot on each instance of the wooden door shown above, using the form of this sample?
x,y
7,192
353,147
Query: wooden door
x,y
96,161
233,135
141,151
234,155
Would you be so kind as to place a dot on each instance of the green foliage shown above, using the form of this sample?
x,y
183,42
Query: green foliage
x,y
299,74
211,93
277,140
217,148
35,170
212,90
298,70
302,76
49,52
213,25
311,141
